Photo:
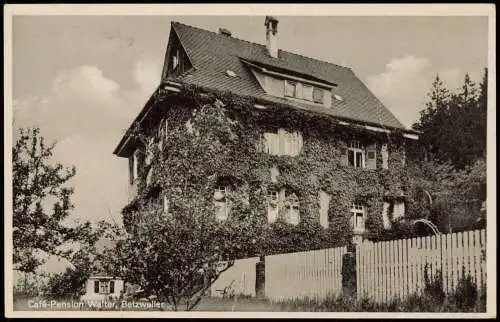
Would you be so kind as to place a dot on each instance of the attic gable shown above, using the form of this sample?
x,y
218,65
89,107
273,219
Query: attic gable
x,y
176,60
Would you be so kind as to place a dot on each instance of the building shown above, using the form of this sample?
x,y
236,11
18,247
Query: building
x,y
348,150
102,287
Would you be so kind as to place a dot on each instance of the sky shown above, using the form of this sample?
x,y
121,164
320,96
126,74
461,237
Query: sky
x,y
83,79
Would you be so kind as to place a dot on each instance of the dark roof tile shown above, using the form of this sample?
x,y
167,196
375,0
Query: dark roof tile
x,y
213,54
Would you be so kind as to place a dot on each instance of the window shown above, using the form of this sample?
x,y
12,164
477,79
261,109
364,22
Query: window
x,y
290,89
272,205
282,142
292,208
285,203
355,155
358,217
137,160
304,91
318,95
307,92
104,287
175,59
220,201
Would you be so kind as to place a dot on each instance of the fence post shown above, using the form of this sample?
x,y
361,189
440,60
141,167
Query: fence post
x,y
260,278
349,284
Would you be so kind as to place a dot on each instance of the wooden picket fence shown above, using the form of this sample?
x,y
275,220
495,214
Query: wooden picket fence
x,y
395,269
237,280
304,274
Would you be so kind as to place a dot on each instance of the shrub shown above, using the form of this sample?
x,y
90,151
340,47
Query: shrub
x,y
465,295
434,286
69,284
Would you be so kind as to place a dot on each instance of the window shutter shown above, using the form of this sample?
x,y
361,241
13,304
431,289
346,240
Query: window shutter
x,y
343,157
96,287
324,202
131,169
385,156
385,216
300,142
399,210
112,287
149,177
371,156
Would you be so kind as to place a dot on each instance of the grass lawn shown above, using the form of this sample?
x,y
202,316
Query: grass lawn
x,y
209,304
245,304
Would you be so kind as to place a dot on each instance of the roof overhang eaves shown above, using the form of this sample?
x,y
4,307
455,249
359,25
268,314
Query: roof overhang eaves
x,y
169,86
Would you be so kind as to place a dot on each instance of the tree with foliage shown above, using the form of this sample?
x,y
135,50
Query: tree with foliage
x,y
89,259
455,194
453,169
36,182
176,248
453,125
41,203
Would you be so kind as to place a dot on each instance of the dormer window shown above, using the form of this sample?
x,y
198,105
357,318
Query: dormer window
x,y
290,89
307,92
304,92
318,95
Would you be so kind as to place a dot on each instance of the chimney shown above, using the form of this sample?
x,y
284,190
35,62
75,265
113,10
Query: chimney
x,y
225,32
271,24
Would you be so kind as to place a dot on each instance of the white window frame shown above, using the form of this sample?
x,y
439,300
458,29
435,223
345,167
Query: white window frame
x,y
294,207
276,202
356,147
104,287
358,210
273,204
282,142
221,189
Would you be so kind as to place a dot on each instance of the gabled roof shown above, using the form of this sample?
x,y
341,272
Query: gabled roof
x,y
212,54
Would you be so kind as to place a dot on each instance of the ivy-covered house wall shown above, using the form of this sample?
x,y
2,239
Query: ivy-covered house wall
x,y
212,140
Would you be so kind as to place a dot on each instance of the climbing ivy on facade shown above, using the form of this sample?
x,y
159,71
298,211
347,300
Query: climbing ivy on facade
x,y
305,181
